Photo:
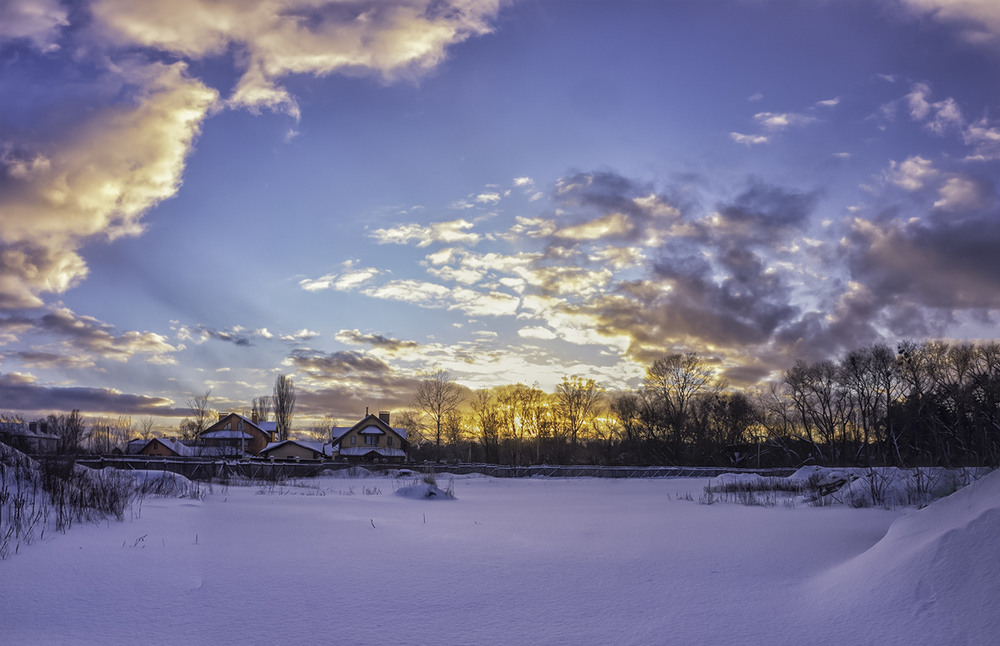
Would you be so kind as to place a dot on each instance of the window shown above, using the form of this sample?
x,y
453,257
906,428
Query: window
x,y
239,425
371,440
388,441
353,437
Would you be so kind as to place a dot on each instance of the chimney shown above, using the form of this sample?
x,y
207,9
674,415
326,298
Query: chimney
x,y
253,418
384,416
222,415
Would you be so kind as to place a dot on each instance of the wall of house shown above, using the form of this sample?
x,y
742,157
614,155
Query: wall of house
x,y
156,448
291,451
232,423
397,442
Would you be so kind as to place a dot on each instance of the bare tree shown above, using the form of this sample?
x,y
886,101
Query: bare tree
x,y
486,421
438,396
409,421
576,404
200,414
673,388
518,406
284,405
261,408
145,427
70,429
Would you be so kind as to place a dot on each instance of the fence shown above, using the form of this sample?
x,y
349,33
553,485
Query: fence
x,y
213,469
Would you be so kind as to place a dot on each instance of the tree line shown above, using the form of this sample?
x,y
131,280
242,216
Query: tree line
x,y
920,404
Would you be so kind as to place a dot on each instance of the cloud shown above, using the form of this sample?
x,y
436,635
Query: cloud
x,y
829,103
37,21
84,338
237,335
985,140
346,281
942,117
613,224
302,335
537,332
912,173
696,282
938,116
748,140
777,121
943,263
356,337
488,198
11,327
93,173
96,180
22,393
344,384
418,292
273,40
979,20
963,193
455,231
763,214
477,303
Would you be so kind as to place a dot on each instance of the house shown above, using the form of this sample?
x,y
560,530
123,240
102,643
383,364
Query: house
x,y
134,447
370,440
32,437
168,447
298,450
235,434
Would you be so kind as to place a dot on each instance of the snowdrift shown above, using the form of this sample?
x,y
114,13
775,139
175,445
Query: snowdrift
x,y
933,579
424,491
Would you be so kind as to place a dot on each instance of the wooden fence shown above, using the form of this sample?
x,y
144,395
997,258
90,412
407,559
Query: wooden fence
x,y
213,469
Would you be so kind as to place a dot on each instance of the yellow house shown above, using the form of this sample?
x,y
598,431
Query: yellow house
x,y
370,440
297,450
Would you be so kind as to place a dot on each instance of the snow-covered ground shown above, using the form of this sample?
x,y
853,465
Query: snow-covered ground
x,y
547,561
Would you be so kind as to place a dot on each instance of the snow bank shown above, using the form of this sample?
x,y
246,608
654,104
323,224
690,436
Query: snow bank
x,y
823,474
933,579
162,483
425,491
753,479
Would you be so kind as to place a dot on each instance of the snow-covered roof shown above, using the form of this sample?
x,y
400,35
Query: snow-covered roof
x,y
264,426
371,428
227,435
317,447
357,451
176,446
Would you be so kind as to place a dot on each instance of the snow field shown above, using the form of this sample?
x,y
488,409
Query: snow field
x,y
553,561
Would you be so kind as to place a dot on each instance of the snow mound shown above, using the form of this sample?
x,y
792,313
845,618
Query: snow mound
x,y
824,475
161,483
464,476
425,491
724,479
934,576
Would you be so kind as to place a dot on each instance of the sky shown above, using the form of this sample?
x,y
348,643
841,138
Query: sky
x,y
204,194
